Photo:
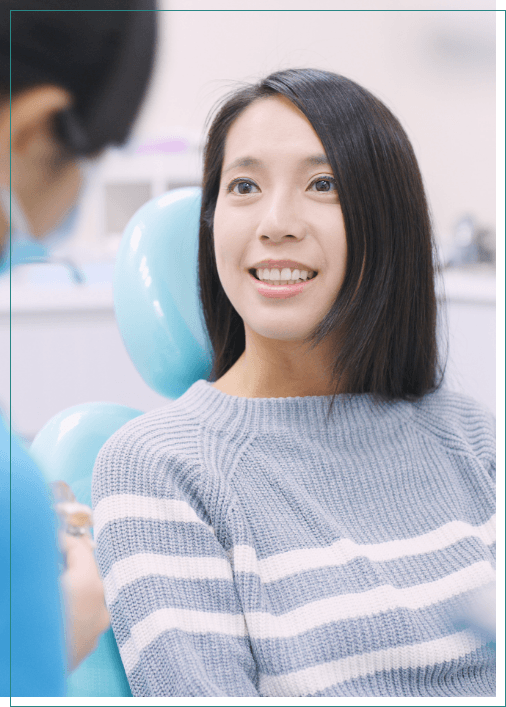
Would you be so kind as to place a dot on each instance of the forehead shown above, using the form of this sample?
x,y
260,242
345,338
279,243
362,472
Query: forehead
x,y
271,125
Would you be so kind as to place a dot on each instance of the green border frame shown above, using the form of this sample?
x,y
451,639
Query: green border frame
x,y
500,329
499,700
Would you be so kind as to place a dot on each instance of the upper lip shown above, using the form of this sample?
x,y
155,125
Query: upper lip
x,y
292,264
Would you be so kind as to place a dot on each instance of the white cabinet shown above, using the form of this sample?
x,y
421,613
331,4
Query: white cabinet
x,y
66,347
66,350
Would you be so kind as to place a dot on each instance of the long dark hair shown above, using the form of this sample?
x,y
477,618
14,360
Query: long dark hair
x,y
386,310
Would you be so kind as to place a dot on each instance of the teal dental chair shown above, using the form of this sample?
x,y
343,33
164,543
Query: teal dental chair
x,y
159,316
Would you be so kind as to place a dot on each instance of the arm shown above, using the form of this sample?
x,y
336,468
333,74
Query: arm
x,y
169,586
38,620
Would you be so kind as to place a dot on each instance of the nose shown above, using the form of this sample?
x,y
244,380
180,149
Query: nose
x,y
280,218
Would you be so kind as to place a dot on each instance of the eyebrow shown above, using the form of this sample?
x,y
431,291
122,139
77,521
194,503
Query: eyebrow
x,y
312,160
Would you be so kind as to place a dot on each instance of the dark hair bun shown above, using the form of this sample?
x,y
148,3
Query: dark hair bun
x,y
104,59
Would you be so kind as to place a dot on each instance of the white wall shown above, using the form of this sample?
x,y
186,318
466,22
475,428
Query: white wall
x,y
434,68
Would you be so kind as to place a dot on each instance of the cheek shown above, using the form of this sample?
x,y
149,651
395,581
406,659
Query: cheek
x,y
229,240
227,256
221,238
226,252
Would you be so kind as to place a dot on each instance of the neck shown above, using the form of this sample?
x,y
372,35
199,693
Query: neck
x,y
277,369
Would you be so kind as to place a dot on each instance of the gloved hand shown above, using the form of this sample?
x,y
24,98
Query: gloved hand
x,y
86,613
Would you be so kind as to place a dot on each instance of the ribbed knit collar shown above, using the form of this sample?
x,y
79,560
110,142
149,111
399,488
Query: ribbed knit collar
x,y
355,414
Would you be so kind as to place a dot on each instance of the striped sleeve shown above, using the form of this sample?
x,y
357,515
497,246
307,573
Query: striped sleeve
x,y
169,585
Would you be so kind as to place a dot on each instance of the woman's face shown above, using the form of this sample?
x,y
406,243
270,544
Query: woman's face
x,y
278,202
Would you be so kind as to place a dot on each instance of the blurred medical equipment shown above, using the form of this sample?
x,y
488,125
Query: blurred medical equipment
x,y
75,518
470,245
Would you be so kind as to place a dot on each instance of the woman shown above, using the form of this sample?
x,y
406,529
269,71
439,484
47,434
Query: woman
x,y
316,519
71,84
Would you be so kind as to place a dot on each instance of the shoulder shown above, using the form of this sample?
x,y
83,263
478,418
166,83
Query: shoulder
x,y
147,452
459,422
166,427
446,411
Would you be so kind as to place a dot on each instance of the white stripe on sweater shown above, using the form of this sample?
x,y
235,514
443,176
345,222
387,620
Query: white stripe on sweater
x,y
146,631
369,603
135,567
124,506
263,625
271,569
320,677
276,567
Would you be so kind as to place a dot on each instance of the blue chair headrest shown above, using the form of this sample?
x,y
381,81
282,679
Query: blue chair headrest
x,y
156,293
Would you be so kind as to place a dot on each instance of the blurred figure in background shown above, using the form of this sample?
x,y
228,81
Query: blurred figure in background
x,y
77,82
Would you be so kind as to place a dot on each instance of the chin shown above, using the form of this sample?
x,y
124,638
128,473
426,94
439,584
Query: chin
x,y
283,333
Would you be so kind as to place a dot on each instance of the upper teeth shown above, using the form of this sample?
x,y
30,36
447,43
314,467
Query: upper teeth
x,y
284,276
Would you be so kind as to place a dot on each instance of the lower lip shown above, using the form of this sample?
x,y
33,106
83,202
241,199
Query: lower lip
x,y
280,291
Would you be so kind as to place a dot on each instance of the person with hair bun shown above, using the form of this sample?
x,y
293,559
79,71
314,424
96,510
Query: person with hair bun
x,y
316,518
71,83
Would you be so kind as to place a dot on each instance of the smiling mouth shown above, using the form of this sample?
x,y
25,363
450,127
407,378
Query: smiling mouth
x,y
310,276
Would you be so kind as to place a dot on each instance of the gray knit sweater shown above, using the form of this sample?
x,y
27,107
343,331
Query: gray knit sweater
x,y
250,548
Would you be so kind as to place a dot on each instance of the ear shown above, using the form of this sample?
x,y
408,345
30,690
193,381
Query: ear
x,y
26,120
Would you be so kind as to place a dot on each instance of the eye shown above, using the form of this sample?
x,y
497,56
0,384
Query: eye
x,y
244,187
324,184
